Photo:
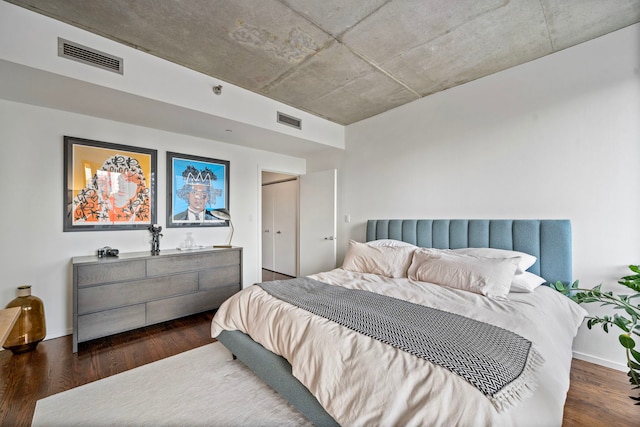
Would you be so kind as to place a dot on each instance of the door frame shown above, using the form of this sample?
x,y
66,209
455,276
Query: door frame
x,y
259,222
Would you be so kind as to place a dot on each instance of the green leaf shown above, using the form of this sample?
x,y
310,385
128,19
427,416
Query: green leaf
x,y
559,286
626,341
621,322
635,354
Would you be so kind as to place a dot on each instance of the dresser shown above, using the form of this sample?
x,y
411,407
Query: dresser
x,y
117,294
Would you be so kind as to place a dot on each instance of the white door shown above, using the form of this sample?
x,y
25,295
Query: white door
x,y
318,202
285,227
267,227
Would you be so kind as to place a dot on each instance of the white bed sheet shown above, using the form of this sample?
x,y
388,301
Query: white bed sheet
x,y
363,382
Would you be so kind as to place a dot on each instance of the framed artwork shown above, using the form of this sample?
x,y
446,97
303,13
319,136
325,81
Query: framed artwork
x,y
197,191
108,186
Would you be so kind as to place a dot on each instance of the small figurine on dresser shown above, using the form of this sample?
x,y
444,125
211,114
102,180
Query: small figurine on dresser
x,y
155,230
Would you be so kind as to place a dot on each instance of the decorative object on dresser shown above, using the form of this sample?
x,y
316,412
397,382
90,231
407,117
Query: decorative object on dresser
x,y
196,186
108,186
189,243
30,327
112,295
155,230
224,215
107,251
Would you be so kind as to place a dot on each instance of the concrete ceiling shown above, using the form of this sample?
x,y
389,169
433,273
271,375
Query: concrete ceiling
x,y
351,59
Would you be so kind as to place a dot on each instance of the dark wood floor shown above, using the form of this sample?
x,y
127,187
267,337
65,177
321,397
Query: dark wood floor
x,y
272,275
598,395
52,367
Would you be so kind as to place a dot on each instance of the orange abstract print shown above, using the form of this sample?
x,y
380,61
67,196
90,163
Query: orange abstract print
x,y
116,193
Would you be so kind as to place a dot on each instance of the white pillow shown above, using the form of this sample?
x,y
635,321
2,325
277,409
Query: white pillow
x,y
388,261
526,260
389,242
526,282
491,277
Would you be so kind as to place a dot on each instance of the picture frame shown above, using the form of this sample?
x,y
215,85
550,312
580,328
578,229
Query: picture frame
x,y
108,186
197,191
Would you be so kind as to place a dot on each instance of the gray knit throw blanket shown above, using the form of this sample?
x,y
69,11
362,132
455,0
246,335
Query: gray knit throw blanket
x,y
498,362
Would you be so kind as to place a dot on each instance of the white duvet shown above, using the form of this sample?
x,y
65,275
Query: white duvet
x,y
363,382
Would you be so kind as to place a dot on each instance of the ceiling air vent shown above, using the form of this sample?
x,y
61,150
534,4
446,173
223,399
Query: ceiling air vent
x,y
86,55
289,121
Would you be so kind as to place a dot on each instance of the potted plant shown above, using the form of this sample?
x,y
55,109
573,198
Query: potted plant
x,y
628,320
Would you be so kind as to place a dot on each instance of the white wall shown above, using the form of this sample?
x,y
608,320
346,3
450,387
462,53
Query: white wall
x,y
558,137
37,252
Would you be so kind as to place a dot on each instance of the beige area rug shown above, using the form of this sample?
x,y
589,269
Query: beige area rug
x,y
201,387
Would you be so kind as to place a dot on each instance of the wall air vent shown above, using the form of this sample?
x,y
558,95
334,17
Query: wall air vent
x,y
86,55
289,120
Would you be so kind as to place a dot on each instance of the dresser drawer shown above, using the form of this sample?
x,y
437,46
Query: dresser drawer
x,y
97,298
191,262
217,277
184,305
110,272
109,322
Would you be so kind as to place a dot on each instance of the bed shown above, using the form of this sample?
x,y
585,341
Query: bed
x,y
484,277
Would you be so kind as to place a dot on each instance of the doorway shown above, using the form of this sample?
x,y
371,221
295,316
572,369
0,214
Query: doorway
x,y
279,224
312,212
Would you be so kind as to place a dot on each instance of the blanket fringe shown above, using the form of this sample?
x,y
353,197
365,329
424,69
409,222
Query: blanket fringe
x,y
522,387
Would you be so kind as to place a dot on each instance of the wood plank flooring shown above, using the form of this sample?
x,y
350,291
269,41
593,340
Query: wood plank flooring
x,y
598,395
272,275
52,367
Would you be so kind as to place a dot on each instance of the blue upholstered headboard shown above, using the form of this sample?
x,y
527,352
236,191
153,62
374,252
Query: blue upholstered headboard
x,y
549,240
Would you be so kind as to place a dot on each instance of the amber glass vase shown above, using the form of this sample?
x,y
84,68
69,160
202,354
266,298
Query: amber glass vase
x,y
30,328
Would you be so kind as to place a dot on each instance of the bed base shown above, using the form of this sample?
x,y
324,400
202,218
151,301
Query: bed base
x,y
276,372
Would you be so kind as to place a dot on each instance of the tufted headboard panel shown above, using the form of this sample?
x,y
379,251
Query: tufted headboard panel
x,y
549,240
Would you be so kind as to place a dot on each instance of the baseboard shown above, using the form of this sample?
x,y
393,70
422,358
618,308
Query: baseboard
x,y
599,361
57,334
